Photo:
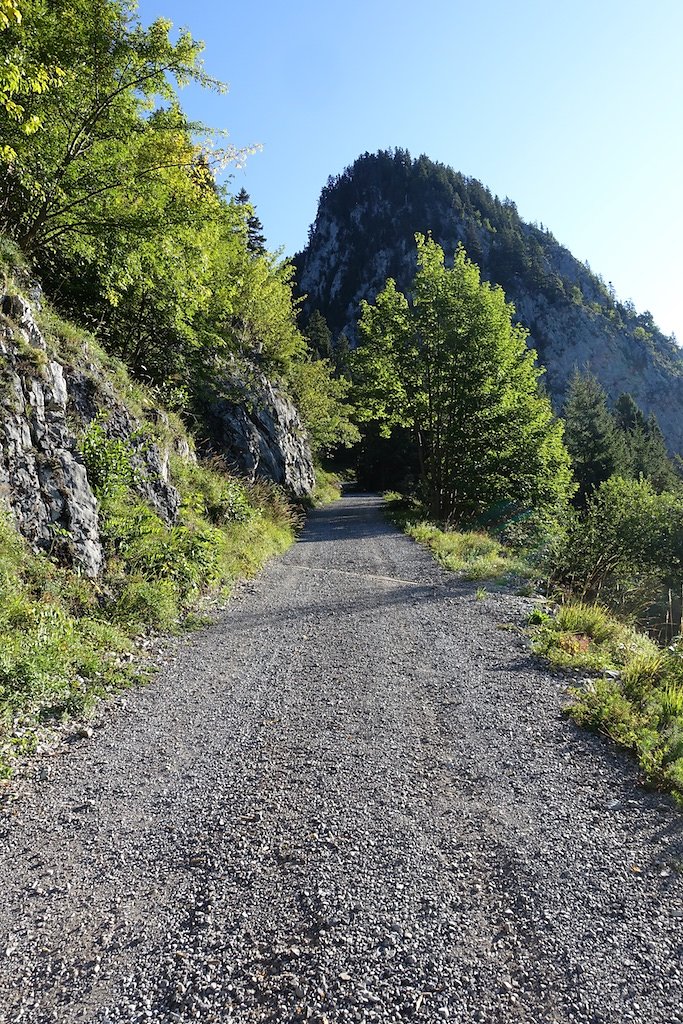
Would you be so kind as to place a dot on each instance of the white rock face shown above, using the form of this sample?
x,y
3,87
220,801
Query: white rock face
x,y
42,477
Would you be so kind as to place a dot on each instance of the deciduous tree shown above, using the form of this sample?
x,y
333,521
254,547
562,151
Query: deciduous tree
x,y
448,362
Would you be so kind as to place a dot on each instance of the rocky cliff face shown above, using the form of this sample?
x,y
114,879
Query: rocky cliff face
x,y
258,430
364,232
44,407
46,404
42,477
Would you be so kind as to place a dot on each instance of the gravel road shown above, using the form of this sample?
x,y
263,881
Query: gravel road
x,y
352,798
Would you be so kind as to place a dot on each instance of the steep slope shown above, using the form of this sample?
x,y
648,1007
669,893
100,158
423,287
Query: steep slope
x,y
364,232
52,392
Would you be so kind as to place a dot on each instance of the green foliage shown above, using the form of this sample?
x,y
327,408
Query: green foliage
x,y
210,491
625,549
117,203
586,637
450,365
321,399
12,259
621,442
327,488
62,636
256,240
474,554
319,337
20,79
56,656
595,446
108,460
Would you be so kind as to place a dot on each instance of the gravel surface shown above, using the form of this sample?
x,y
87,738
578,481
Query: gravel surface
x,y
353,798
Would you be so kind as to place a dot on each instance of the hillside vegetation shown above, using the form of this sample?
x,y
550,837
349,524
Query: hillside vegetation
x,y
364,232
111,195
532,439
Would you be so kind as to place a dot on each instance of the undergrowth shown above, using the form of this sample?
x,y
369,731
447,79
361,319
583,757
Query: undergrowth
x,y
636,700
475,554
327,488
636,694
65,640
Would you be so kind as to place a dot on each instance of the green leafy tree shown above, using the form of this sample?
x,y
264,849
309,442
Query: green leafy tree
x,y
20,78
114,127
449,363
322,401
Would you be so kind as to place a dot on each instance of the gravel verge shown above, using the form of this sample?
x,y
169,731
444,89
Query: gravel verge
x,y
353,798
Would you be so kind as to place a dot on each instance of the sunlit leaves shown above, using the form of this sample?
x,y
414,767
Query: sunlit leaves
x,y
450,363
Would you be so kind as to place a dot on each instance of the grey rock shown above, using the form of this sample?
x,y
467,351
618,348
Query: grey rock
x,y
43,480
566,335
92,396
256,427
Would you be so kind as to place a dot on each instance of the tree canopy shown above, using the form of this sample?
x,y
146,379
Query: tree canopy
x,y
114,195
604,443
448,362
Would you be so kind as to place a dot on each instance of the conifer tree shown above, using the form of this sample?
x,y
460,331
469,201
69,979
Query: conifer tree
x,y
627,414
645,450
342,355
256,240
652,460
319,336
591,435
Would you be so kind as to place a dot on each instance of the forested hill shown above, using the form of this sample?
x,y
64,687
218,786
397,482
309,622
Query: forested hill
x,y
364,232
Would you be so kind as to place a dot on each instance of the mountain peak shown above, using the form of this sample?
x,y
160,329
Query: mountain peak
x,y
364,232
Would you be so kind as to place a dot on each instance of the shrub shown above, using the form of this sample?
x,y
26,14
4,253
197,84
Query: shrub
x,y
143,603
624,551
208,489
108,460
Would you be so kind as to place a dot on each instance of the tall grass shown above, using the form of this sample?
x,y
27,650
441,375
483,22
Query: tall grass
x,y
66,642
474,554
637,697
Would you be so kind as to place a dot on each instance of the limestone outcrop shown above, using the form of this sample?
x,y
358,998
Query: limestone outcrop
x,y
44,407
43,480
256,427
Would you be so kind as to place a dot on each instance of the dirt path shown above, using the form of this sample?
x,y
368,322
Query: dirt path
x,y
353,798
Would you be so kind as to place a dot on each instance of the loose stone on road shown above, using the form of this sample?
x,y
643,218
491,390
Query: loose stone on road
x,y
352,798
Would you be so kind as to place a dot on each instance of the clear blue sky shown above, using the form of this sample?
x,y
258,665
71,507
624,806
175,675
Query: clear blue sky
x,y
574,111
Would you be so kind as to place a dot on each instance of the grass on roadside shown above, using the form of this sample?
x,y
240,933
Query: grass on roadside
x,y
474,554
327,488
66,641
639,704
